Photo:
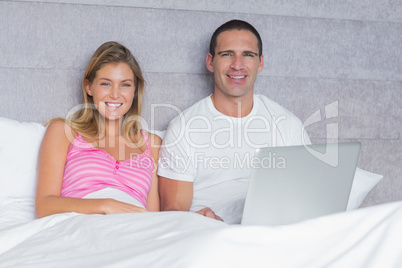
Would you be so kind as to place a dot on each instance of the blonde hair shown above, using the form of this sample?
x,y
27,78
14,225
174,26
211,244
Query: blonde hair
x,y
86,121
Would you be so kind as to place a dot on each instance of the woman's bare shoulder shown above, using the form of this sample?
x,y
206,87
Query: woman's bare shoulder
x,y
61,131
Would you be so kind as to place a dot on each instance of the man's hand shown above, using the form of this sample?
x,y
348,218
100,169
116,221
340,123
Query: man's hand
x,y
207,212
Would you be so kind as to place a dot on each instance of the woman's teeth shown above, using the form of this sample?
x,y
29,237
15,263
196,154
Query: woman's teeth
x,y
112,107
113,104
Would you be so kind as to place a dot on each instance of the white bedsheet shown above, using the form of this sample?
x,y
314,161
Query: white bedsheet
x,y
116,194
368,237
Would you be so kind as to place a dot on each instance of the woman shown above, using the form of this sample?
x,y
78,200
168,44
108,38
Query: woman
x,y
99,161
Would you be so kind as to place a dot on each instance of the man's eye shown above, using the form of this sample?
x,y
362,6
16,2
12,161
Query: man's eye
x,y
249,55
225,54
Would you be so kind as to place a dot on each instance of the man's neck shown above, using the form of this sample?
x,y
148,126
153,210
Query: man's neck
x,y
233,106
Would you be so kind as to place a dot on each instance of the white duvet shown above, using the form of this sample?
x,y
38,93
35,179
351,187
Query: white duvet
x,y
369,237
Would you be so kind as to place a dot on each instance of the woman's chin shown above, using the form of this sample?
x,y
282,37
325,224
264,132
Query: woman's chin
x,y
112,117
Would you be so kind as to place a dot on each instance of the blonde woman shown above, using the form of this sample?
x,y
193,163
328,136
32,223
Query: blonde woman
x,y
99,161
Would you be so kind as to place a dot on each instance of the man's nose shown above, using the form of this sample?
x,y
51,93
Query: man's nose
x,y
237,63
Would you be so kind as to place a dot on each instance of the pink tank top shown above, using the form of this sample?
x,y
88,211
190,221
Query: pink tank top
x,y
89,169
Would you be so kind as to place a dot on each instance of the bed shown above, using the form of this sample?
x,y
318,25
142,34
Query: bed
x,y
336,66
359,237
362,238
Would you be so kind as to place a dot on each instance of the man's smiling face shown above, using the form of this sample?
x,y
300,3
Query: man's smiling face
x,y
236,63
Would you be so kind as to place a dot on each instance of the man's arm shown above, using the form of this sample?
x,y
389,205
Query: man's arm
x,y
178,195
175,194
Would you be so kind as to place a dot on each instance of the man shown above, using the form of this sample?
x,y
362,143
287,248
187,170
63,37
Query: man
x,y
207,153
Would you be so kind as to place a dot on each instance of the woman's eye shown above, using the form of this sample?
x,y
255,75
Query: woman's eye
x,y
104,84
126,85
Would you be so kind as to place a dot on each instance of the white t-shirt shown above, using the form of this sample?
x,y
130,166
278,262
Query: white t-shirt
x,y
216,152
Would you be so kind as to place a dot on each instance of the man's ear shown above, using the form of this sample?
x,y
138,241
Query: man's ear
x,y
87,87
209,62
261,66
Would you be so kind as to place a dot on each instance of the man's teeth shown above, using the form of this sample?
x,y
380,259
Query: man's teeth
x,y
113,104
237,77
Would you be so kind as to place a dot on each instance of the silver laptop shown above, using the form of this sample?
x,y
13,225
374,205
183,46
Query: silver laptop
x,y
294,183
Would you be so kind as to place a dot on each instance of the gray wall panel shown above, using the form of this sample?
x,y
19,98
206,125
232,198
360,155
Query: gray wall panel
x,y
169,94
378,155
38,94
294,46
304,47
372,110
374,10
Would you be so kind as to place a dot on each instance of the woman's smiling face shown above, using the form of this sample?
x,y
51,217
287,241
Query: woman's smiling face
x,y
113,90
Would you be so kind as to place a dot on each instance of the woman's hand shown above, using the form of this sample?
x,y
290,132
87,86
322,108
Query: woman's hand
x,y
112,206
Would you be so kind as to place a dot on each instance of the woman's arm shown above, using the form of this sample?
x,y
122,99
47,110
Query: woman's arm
x,y
51,162
52,158
153,195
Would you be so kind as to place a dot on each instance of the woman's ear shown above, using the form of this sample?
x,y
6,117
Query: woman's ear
x,y
87,87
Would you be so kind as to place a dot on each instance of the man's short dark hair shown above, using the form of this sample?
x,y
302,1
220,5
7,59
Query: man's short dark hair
x,y
234,25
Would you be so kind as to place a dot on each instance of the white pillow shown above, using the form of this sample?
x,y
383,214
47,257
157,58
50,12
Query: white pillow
x,y
363,183
19,147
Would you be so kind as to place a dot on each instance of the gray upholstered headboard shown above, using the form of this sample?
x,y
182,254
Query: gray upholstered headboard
x,y
345,55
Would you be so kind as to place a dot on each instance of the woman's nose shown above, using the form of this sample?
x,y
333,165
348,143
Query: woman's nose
x,y
114,92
